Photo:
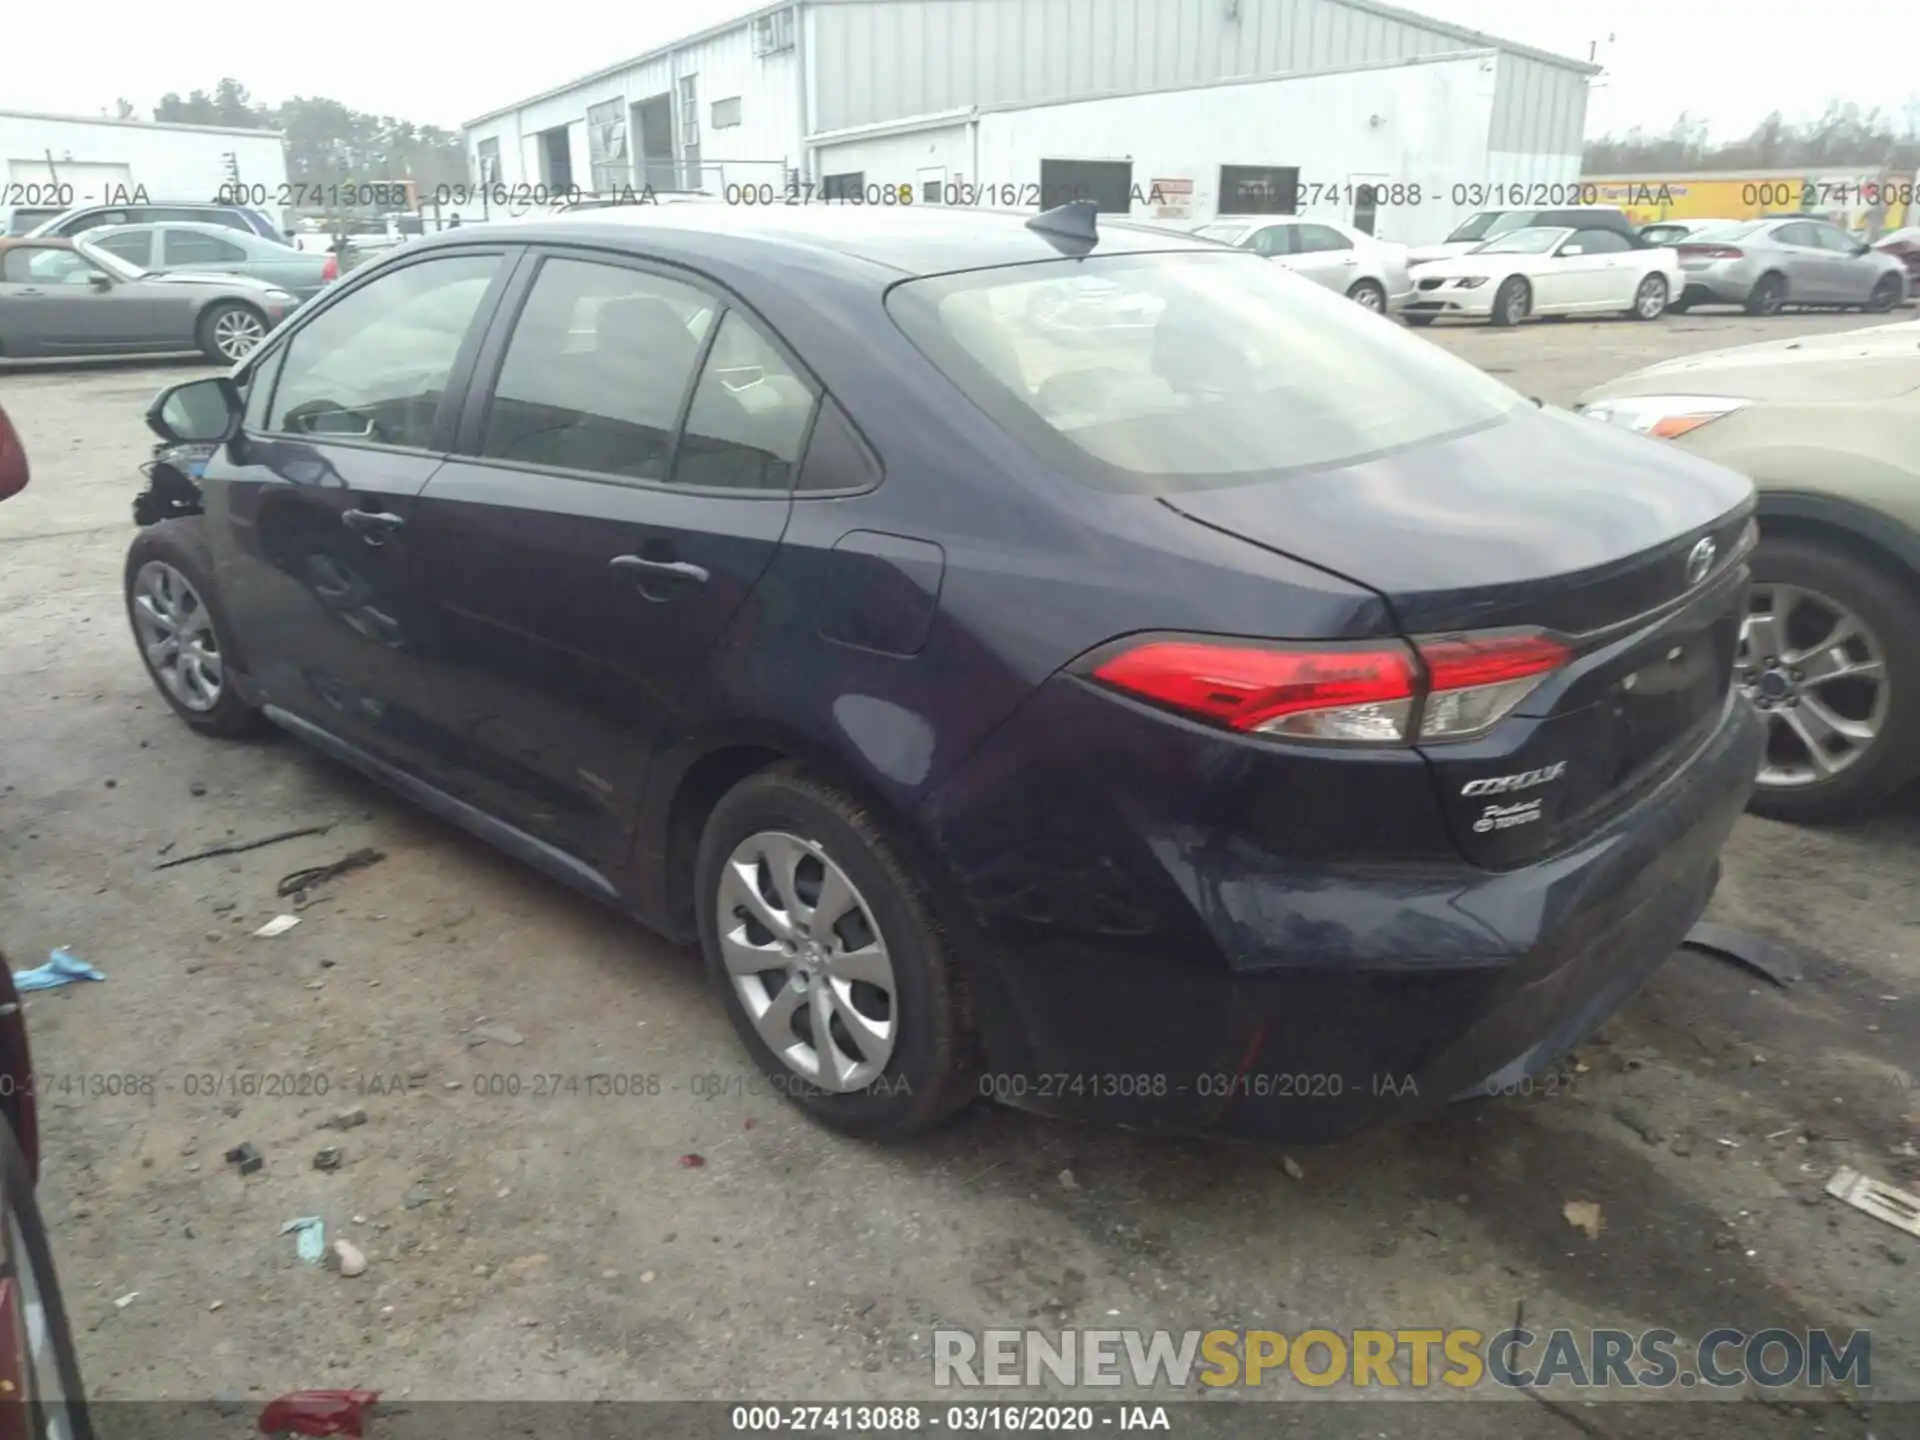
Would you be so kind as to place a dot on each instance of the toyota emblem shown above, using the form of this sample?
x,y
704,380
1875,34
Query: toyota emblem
x,y
1700,562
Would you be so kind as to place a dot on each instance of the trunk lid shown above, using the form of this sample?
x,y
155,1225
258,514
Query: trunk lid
x,y
1545,521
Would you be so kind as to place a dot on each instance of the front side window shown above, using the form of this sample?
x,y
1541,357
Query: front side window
x,y
598,367
1534,241
1186,371
373,366
1799,233
190,247
133,246
45,265
1597,242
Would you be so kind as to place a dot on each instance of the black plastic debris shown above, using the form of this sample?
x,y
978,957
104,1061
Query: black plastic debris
x,y
247,1156
1769,959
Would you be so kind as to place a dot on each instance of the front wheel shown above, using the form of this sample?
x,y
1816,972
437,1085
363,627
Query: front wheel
x,y
1830,654
1368,295
1769,293
229,332
828,959
1511,302
182,640
1650,300
1886,295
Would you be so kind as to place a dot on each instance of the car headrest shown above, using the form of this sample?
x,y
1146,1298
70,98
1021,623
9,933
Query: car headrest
x,y
645,330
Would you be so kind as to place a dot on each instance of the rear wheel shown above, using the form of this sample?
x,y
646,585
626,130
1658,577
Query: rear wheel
x,y
229,331
182,640
1511,302
1830,653
1679,305
1650,300
1418,320
1769,293
1368,295
1886,294
828,958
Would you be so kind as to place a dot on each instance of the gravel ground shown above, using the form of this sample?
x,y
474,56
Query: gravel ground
x,y
556,1245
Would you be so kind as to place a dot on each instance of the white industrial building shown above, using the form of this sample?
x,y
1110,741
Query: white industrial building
x,y
59,161
1188,108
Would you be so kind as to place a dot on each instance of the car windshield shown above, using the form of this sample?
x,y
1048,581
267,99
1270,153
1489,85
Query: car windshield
x,y
1729,230
1153,374
1535,240
108,261
1489,223
1226,234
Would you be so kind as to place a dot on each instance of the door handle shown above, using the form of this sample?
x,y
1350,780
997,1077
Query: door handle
x,y
372,526
1351,260
642,570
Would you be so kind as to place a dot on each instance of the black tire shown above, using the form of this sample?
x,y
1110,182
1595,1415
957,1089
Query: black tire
x,y
1643,296
1368,295
210,319
1769,293
1511,302
1418,321
179,543
1886,294
932,1072
1887,605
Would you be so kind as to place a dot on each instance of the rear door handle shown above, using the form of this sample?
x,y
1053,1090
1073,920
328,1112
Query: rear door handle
x,y
643,570
372,526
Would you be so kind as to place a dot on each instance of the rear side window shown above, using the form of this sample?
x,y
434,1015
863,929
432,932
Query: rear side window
x,y
190,247
135,247
373,366
749,418
1274,240
1161,373
1316,239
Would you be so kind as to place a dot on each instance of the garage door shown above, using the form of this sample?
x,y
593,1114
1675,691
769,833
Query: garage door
x,y
1109,183
65,184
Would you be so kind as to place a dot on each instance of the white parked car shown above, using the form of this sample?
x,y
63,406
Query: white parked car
x,y
1341,257
1547,270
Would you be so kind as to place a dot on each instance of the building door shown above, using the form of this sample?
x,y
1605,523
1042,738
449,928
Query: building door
x,y
1258,190
653,142
556,159
931,186
1108,183
1364,201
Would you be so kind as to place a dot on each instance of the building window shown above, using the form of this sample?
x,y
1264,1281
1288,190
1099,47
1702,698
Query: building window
x,y
488,155
1108,183
689,113
773,34
607,145
850,187
726,113
1259,189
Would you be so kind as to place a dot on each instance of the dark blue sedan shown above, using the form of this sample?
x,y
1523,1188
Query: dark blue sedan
x,y
1060,661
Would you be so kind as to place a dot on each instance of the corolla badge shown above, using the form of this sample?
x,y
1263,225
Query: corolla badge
x,y
1507,784
1700,561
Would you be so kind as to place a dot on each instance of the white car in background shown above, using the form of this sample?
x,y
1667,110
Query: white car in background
x,y
1371,272
1547,270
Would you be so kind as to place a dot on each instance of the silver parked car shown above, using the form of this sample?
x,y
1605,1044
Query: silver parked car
x,y
68,297
1791,260
1672,232
166,249
1369,271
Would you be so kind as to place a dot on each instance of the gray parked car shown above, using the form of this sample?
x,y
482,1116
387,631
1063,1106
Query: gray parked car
x,y
213,249
1795,260
78,221
1369,271
1672,232
68,297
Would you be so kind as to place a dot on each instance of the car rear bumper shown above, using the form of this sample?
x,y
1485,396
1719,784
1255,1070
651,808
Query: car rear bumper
x,y
1726,282
1171,975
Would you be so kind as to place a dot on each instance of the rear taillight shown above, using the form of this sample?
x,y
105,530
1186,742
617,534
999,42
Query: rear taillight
x,y
331,269
1712,252
1380,693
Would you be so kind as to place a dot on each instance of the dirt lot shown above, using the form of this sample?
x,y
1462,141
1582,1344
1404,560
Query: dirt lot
x,y
557,1246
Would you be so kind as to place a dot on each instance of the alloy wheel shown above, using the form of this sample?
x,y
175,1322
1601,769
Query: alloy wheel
x,y
236,332
176,634
806,957
1818,675
1369,298
1652,298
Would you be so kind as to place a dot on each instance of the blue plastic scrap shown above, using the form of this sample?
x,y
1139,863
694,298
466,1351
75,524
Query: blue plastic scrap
x,y
61,969
312,1237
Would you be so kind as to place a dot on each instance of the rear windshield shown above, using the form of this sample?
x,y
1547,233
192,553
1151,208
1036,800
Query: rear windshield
x,y
1489,223
1226,234
1535,240
1160,373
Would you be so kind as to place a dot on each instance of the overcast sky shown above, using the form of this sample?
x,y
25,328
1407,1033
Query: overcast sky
x,y
434,66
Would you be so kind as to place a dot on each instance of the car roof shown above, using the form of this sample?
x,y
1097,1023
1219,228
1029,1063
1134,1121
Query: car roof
x,y
887,242
203,227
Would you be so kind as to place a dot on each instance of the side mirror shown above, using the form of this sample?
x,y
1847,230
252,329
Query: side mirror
x,y
1863,249
200,412
99,280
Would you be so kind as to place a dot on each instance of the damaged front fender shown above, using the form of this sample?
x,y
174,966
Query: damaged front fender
x,y
173,488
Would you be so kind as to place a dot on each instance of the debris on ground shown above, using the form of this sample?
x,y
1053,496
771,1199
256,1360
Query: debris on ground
x,y
1769,959
1067,1182
318,1412
1899,1208
1584,1215
240,847
348,1258
310,1237
327,1157
62,968
126,1300
692,1162
416,1197
347,1119
247,1156
502,1034
319,874
1292,1167
279,925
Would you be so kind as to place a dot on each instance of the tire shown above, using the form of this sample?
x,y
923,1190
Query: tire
x,y
175,545
1511,302
1888,610
1769,293
1418,321
230,314
929,1073
1368,295
1886,294
1650,300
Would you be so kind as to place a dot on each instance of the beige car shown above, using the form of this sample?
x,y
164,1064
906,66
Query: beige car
x,y
1828,427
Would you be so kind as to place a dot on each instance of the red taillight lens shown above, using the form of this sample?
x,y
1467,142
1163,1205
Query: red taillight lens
x,y
1712,252
1377,694
331,269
